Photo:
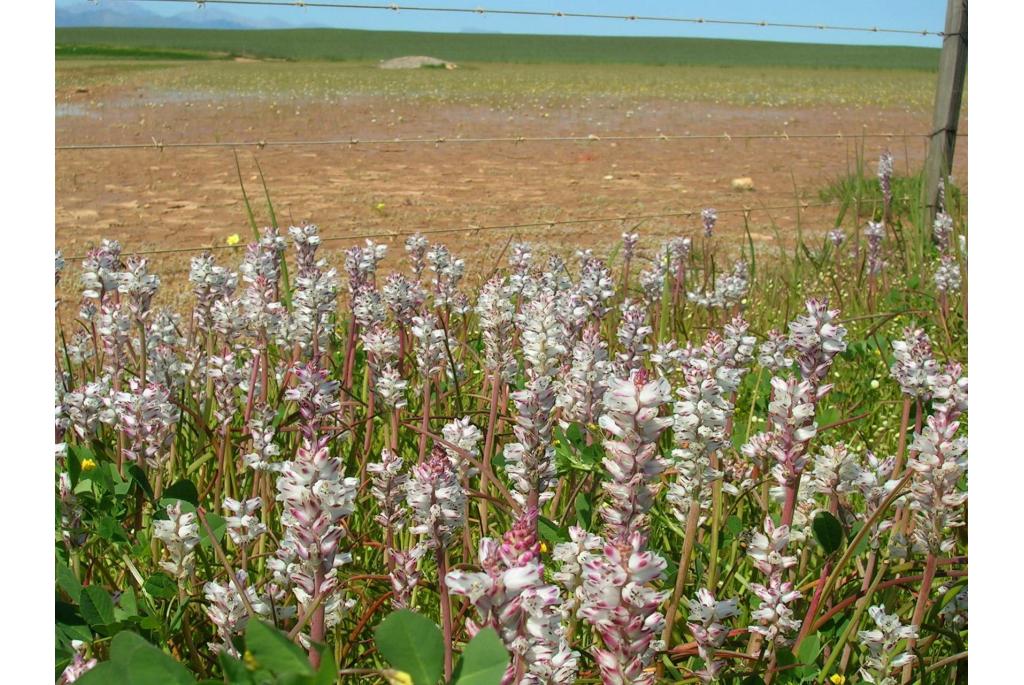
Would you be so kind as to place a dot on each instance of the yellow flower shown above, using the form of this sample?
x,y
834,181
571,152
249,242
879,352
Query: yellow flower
x,y
543,547
233,239
250,660
837,679
88,464
398,677
380,205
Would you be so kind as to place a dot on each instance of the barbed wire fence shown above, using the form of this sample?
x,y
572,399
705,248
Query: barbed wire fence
x,y
941,139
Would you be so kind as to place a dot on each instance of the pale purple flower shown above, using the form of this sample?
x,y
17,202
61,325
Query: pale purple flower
x,y
404,298
147,418
913,363
942,229
79,665
709,217
389,490
619,601
530,461
837,236
705,622
880,642
875,232
632,461
629,241
436,499
210,284
306,239
228,612
465,436
497,314
947,275
885,168
510,595
579,391
416,250
180,534
817,339
243,524
772,352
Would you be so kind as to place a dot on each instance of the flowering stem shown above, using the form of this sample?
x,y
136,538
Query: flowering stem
x,y
316,626
692,517
446,610
901,449
425,420
919,610
485,472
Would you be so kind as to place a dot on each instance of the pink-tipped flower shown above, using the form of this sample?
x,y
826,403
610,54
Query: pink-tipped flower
x,y
874,233
817,339
510,595
913,363
620,603
708,217
880,643
632,460
885,168
436,499
705,622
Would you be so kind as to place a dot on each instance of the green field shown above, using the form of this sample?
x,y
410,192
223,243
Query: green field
x,y
348,45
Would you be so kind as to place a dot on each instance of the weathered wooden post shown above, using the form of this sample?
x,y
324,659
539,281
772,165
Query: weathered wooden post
x,y
952,72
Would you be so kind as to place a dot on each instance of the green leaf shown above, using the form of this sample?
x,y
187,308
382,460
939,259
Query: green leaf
x,y
106,673
809,649
145,664
412,643
327,674
160,586
139,476
127,606
67,581
184,490
234,670
111,529
550,532
218,525
485,660
827,531
96,605
584,512
274,651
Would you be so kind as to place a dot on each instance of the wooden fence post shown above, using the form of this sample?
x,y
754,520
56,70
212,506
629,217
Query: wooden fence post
x,y
952,72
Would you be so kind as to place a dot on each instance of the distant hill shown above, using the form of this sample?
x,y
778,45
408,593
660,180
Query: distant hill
x,y
351,45
128,15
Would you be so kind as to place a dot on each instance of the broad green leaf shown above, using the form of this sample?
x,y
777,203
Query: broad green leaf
x,y
274,651
584,512
234,670
105,673
809,648
160,586
551,533
412,643
67,581
827,531
485,660
145,664
184,490
96,606
139,476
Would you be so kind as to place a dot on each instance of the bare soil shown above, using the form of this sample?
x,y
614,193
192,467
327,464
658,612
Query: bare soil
x,y
191,197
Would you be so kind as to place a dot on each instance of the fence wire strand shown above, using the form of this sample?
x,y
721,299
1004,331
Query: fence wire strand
x,y
438,141
395,7
495,227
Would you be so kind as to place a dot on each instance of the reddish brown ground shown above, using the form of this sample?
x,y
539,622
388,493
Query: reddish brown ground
x,y
186,198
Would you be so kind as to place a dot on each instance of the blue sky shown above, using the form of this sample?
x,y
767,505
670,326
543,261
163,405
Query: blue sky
x,y
908,14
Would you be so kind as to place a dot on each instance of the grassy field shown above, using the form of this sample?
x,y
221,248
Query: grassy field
x,y
348,45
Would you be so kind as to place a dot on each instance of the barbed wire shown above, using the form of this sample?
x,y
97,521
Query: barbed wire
x,y
557,14
515,140
496,227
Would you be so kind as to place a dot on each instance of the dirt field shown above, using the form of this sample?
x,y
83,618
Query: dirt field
x,y
191,197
